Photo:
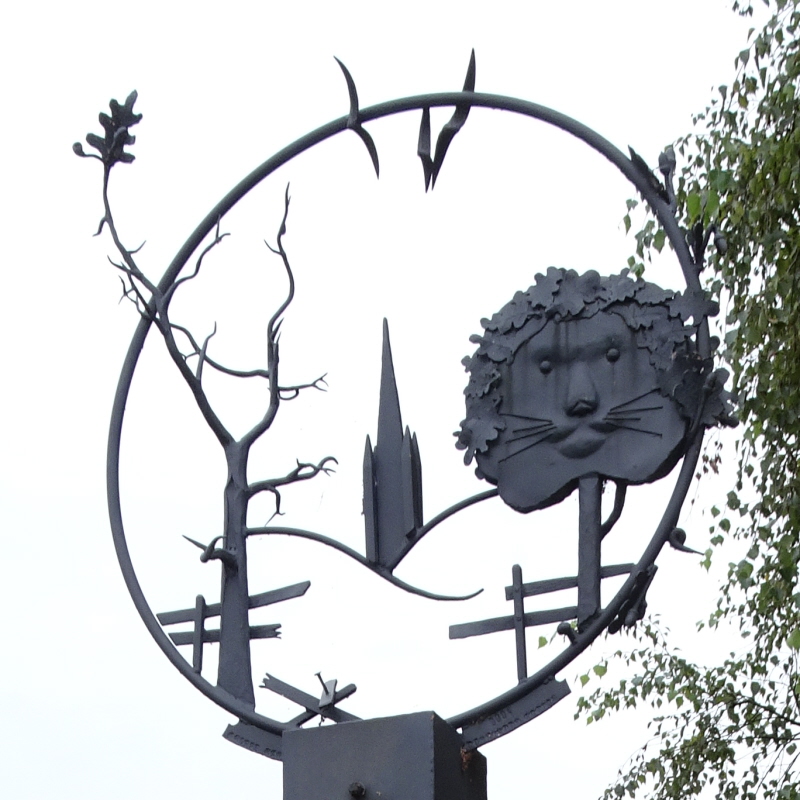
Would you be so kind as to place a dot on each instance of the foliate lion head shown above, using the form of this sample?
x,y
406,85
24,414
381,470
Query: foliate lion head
x,y
584,374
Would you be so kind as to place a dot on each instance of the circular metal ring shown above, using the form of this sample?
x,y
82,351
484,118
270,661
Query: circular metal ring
x,y
506,701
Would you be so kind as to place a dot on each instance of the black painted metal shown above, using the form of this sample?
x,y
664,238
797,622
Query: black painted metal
x,y
392,477
514,715
394,521
589,493
325,706
514,702
199,636
519,622
415,756
559,584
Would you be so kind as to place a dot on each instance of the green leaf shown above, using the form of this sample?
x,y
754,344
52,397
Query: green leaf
x,y
693,207
712,204
739,171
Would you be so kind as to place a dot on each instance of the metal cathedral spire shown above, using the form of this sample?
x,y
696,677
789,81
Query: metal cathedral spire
x,y
392,476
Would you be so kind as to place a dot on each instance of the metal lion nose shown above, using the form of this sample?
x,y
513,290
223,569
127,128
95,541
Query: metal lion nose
x,y
582,397
582,408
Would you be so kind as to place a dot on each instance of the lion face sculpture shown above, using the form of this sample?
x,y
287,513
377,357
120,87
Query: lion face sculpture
x,y
586,375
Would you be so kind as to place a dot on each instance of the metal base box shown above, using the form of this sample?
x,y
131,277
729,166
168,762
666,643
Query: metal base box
x,y
410,757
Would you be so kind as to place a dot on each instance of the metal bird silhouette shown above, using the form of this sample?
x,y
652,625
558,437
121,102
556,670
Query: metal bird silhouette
x,y
211,553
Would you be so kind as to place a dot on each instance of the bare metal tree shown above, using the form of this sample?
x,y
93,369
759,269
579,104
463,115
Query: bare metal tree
x,y
191,356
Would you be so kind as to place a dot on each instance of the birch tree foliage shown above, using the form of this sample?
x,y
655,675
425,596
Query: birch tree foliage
x,y
730,729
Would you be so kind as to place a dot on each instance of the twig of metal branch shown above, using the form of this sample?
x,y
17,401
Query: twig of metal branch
x,y
201,358
218,237
197,349
302,472
293,391
273,330
131,291
127,255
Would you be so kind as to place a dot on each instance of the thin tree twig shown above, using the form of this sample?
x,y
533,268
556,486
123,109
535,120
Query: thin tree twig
x,y
302,472
273,329
319,383
160,317
201,359
196,350
218,237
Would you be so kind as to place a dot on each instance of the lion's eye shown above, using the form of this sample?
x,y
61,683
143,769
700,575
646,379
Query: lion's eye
x,y
545,366
612,354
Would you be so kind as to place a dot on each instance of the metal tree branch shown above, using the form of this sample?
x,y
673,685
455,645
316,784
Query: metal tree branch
x,y
130,264
294,391
218,237
302,472
157,310
273,331
197,350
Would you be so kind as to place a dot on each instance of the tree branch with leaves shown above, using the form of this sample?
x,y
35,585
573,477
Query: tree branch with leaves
x,y
730,729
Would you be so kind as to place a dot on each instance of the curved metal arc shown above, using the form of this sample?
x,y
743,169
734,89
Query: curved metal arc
x,y
454,509
499,102
419,102
219,696
439,518
381,572
620,492
668,521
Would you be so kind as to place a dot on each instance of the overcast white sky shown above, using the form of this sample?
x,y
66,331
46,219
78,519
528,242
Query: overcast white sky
x,y
90,707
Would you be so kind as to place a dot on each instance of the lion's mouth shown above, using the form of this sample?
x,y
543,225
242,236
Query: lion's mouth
x,y
581,438
581,441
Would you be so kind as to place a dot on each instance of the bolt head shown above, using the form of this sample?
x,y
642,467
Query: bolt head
x,y
357,790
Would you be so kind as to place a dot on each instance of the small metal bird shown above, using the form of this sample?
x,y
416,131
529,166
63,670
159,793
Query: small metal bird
x,y
210,552
677,537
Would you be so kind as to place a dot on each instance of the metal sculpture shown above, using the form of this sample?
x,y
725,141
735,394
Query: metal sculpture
x,y
578,381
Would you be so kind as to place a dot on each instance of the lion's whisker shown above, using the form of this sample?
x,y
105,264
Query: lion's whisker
x,y
532,433
634,399
638,430
527,447
539,427
635,410
524,416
